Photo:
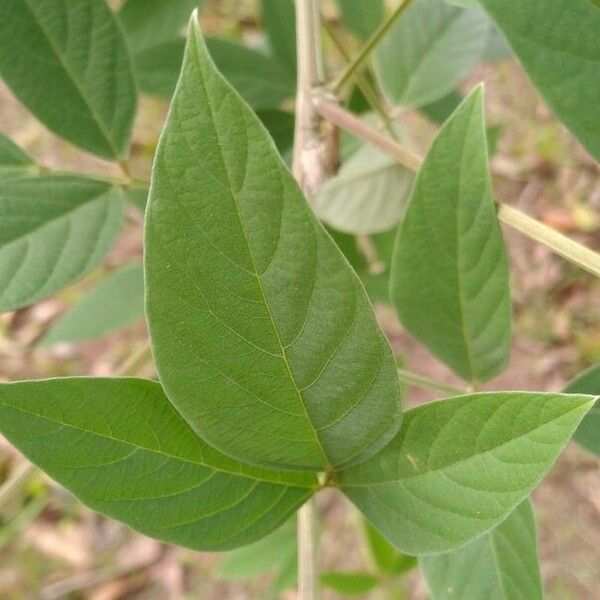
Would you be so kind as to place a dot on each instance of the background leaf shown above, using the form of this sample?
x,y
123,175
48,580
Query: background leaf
x,y
152,473
430,51
249,297
563,66
53,230
69,64
502,564
459,466
116,302
279,21
14,162
362,18
368,195
349,583
386,558
449,275
157,67
588,432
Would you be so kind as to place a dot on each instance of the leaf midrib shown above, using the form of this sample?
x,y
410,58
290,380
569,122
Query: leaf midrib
x,y
151,450
462,461
256,272
74,80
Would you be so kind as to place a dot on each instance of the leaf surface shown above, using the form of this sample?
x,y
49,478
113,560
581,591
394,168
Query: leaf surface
x,y
449,274
69,64
502,564
430,51
122,449
279,21
349,583
14,162
558,47
368,195
459,466
362,18
263,335
386,558
116,302
588,432
53,230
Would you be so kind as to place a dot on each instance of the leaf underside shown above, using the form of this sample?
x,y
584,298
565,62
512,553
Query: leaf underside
x,y
459,466
122,449
53,230
263,336
501,564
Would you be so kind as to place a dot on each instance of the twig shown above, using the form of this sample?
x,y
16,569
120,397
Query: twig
x,y
566,247
307,551
427,383
19,476
370,44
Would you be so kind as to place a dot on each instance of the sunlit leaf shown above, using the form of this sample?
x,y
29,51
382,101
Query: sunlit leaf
x,y
53,230
368,195
122,449
349,583
449,275
459,466
116,302
263,335
69,64
502,564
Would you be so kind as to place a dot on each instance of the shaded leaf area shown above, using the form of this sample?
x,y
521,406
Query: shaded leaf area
x,y
249,298
368,195
588,432
349,583
69,64
459,466
53,230
259,79
449,275
502,564
362,18
122,449
279,22
385,557
430,51
14,162
563,66
116,302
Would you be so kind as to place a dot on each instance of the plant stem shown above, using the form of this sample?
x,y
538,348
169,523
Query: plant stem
x,y
370,44
309,166
427,383
19,476
566,247
307,551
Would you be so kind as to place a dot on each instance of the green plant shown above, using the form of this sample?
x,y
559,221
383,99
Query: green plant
x,y
275,379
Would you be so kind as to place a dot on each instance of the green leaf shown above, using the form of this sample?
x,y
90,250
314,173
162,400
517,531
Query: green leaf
x,y
269,554
280,125
459,466
559,49
349,583
116,302
368,195
68,63
122,449
501,564
157,67
279,21
151,23
449,279
259,79
430,51
442,108
138,197
263,335
14,162
53,230
588,432
362,18
386,558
